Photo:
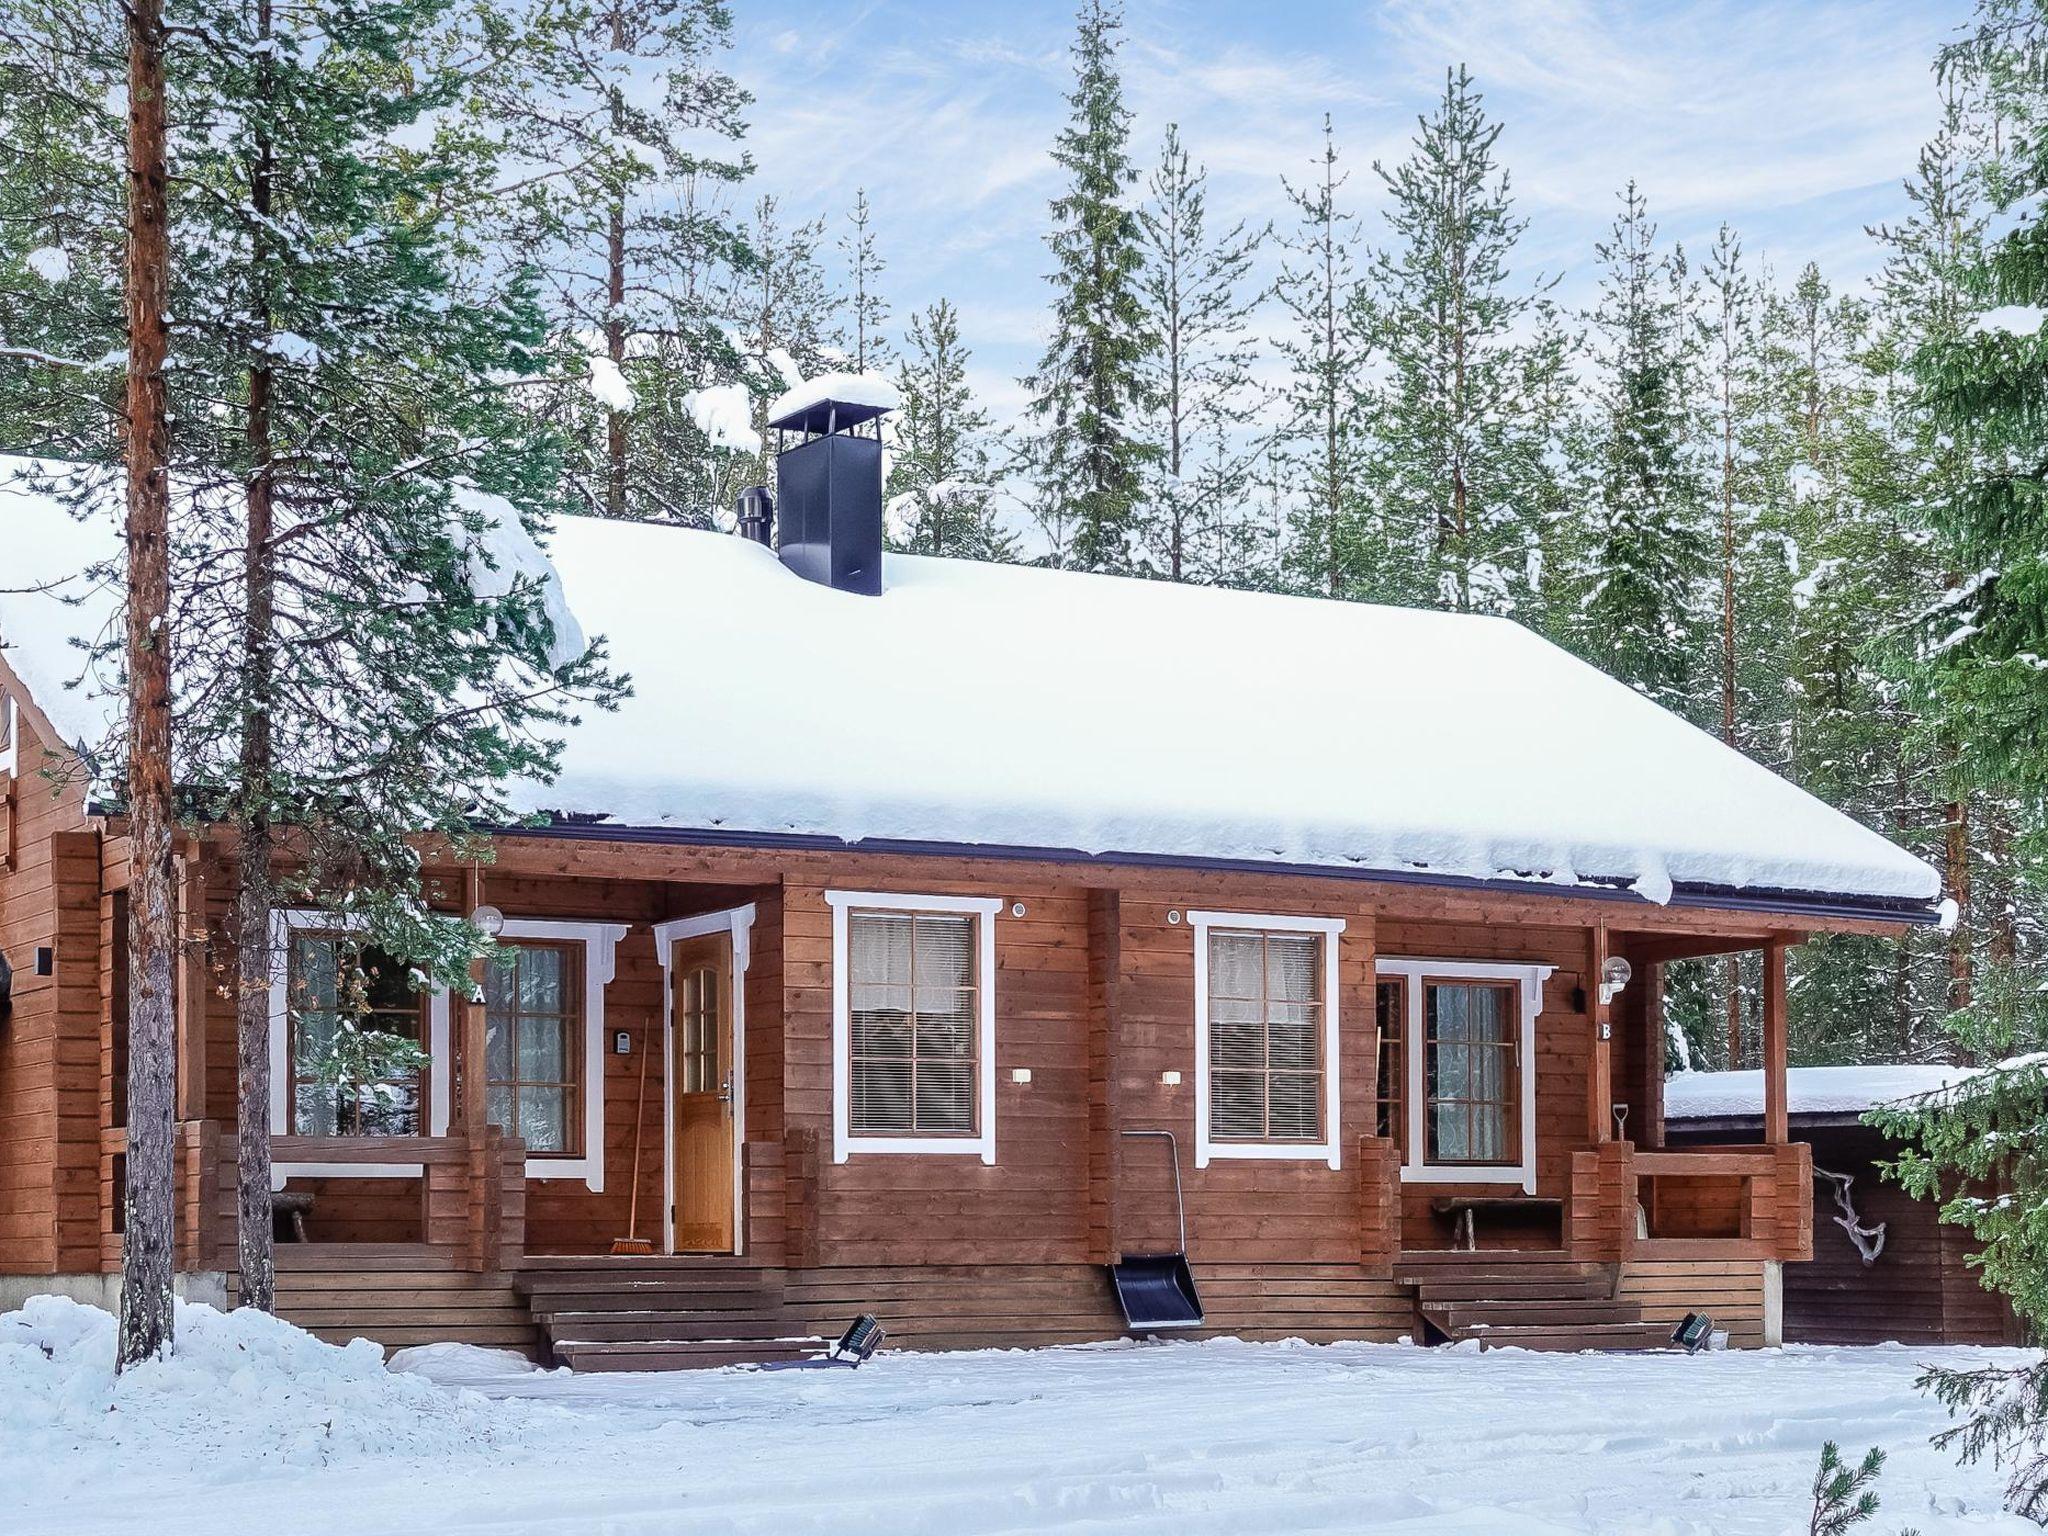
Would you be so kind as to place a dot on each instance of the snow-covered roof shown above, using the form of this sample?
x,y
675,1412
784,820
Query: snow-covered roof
x,y
1027,708
1809,1090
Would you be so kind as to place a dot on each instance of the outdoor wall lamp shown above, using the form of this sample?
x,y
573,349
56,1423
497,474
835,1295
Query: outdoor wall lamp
x,y
1614,975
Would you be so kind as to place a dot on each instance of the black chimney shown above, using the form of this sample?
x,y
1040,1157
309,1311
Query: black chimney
x,y
829,484
757,515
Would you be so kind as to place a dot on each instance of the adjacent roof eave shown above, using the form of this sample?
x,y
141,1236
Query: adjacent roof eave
x,y
1903,912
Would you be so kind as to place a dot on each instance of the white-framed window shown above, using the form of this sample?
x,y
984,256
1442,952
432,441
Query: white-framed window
x,y
913,1024
1266,1055
1469,1052
303,940
308,947
593,970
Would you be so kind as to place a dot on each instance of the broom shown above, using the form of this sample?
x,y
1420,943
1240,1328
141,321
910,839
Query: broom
x,y
631,1244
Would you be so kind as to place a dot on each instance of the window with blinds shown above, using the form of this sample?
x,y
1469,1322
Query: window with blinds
x,y
1265,1025
915,1024
1469,1057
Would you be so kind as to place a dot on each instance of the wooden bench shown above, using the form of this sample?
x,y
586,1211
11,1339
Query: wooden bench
x,y
1463,1209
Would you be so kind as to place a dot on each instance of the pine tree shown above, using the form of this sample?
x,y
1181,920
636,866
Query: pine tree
x,y
1649,552
786,319
941,489
1325,348
1464,477
1198,304
147,1323
376,676
868,310
618,130
1088,393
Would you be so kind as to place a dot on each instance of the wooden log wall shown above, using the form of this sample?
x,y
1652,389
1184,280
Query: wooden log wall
x,y
50,1194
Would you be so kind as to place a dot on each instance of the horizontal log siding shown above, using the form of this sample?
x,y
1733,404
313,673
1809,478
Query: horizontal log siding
x,y
49,1066
1731,1291
1032,1206
1239,1211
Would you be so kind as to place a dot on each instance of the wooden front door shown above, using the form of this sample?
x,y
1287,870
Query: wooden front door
x,y
701,973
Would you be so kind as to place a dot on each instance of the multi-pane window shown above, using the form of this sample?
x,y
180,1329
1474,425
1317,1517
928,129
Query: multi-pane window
x,y
912,997
532,1030
354,1041
697,1006
1265,1026
1469,1057
1391,1021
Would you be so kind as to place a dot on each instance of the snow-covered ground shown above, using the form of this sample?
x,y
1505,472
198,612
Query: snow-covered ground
x,y
256,1428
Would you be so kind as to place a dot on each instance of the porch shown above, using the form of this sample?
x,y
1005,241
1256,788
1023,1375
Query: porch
x,y
702,1122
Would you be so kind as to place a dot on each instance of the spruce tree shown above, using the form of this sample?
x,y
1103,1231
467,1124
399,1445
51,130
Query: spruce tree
x,y
1649,552
1978,1146
1326,345
1199,299
942,478
867,310
1464,478
1088,395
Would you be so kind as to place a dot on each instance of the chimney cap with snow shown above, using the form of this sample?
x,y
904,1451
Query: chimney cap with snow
x,y
832,402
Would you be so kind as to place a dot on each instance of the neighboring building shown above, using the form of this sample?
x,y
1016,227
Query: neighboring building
x,y
932,909
1885,1267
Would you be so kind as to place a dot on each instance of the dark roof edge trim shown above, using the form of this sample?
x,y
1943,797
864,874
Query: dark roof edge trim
x,y
1771,903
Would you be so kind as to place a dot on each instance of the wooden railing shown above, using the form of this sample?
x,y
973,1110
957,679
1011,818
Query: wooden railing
x,y
1695,1202
472,1190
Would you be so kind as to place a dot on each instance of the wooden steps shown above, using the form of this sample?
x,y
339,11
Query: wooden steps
x,y
1524,1300
662,1314
398,1295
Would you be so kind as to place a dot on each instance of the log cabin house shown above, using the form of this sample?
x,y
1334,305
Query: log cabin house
x,y
859,960
1885,1267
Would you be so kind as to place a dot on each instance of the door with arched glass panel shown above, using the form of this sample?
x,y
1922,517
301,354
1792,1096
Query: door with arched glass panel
x,y
701,1016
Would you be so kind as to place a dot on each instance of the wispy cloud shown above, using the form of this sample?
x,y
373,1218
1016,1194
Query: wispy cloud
x,y
1791,119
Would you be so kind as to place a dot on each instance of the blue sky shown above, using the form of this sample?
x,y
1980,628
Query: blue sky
x,y
1794,121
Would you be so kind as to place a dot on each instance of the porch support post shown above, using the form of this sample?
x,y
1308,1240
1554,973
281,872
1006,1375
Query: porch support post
x,y
1600,1084
190,981
469,1112
1776,1124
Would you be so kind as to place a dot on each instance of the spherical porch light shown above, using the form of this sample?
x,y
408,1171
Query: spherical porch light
x,y
488,921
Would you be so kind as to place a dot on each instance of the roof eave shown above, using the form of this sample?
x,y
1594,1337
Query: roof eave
x,y
1822,906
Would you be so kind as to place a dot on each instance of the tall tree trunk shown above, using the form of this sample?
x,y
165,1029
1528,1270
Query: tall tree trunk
x,y
252,892
615,307
147,1316
1956,879
1728,652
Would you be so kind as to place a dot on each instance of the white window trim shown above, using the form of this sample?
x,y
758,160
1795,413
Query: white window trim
x,y
739,924
284,923
600,943
1329,1149
844,1142
10,735
600,964
1415,1170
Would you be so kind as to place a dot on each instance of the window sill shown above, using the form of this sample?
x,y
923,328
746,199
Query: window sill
x,y
983,1147
555,1166
1207,1152
1460,1173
